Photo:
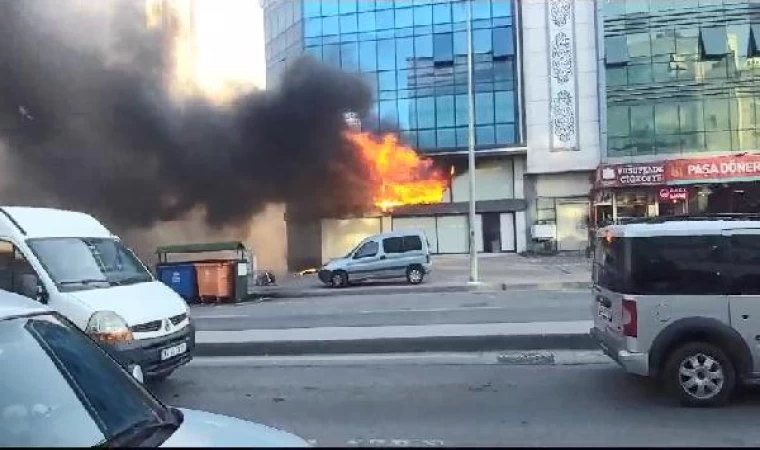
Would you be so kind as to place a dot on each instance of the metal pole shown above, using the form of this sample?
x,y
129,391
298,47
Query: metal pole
x,y
471,147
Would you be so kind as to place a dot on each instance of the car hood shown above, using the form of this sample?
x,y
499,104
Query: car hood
x,y
202,429
337,263
136,303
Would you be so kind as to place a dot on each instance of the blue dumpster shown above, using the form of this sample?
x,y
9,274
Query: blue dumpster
x,y
181,278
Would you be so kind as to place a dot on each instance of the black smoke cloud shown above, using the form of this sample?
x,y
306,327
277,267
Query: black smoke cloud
x,y
89,125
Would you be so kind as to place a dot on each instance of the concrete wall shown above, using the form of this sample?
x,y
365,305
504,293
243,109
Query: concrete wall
x,y
546,76
339,236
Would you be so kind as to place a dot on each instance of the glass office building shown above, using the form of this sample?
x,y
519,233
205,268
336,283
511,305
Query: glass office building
x,y
683,108
682,76
414,55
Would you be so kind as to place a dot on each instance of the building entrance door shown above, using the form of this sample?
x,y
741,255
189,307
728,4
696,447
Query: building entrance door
x,y
491,232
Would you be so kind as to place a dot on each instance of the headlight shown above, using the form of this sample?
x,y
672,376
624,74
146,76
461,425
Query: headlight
x,y
108,327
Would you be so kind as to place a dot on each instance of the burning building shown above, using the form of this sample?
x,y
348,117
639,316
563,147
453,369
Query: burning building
x,y
536,133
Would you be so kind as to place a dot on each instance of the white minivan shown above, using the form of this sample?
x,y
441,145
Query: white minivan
x,y
73,264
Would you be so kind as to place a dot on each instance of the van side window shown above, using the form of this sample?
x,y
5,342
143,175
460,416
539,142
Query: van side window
x,y
745,249
412,243
393,245
367,250
609,264
687,265
16,274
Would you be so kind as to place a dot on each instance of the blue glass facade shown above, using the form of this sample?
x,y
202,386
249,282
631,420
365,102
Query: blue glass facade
x,y
414,54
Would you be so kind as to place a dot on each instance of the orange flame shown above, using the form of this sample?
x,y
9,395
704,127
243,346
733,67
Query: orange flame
x,y
400,176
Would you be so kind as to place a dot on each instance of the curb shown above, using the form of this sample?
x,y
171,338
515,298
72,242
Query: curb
x,y
400,345
488,287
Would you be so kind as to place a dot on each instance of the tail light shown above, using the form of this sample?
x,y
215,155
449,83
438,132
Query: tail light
x,y
630,318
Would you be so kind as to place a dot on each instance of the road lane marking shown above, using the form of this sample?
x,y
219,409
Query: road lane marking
x,y
466,308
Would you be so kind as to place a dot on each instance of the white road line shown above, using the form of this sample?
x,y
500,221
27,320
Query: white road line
x,y
221,316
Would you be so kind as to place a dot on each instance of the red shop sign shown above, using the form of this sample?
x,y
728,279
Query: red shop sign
x,y
645,174
674,194
718,168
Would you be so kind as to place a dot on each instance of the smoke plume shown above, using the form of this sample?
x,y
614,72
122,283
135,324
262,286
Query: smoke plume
x,y
87,123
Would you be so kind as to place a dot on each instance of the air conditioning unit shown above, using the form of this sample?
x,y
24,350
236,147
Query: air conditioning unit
x,y
544,231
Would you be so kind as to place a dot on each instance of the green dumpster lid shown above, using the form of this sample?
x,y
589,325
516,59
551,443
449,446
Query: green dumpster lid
x,y
201,248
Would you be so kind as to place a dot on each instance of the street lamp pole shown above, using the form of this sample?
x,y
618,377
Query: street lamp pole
x,y
471,147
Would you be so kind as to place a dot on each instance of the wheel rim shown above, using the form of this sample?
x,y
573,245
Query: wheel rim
x,y
337,279
415,276
701,376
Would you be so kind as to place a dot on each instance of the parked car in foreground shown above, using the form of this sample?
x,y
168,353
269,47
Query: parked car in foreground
x,y
400,254
679,299
70,262
60,389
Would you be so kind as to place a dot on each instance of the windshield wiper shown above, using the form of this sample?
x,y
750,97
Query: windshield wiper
x,y
131,280
138,432
86,281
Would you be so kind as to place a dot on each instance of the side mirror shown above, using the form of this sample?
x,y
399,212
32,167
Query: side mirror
x,y
136,371
42,295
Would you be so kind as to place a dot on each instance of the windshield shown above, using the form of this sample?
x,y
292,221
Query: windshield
x,y
60,389
82,263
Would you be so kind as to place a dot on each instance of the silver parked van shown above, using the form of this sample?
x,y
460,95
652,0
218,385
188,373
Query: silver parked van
x,y
400,254
679,299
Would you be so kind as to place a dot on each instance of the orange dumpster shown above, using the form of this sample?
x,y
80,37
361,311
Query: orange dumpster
x,y
215,281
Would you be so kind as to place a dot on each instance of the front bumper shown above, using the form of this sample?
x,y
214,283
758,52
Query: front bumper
x,y
325,276
632,362
147,352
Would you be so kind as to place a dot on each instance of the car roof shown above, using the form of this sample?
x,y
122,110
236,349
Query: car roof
x,y
13,305
53,223
678,228
408,232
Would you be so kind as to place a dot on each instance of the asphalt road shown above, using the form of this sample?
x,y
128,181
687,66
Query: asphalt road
x,y
364,402
408,309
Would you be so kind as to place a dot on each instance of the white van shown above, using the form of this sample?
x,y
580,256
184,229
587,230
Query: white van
x,y
72,263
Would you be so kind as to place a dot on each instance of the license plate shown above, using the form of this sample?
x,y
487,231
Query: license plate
x,y
605,313
171,352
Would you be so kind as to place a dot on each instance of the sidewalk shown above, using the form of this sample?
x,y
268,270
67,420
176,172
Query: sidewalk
x,y
503,271
571,335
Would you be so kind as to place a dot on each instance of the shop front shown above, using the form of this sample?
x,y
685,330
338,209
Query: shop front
x,y
723,184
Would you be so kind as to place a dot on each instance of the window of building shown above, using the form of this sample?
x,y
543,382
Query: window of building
x,y
502,8
404,17
503,42
423,46
389,112
504,106
347,6
423,15
330,7
485,135
406,115
444,107
447,138
348,23
442,13
639,45
666,118
618,121
426,112
349,57
384,19
367,21
484,113
754,42
386,54
663,42
443,48
713,42
312,27
426,139
386,80
330,26
368,56
505,134
481,41
481,9
687,41
404,52
616,50
366,5
312,9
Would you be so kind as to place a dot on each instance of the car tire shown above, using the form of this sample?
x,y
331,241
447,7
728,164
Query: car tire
x,y
415,274
699,374
339,279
